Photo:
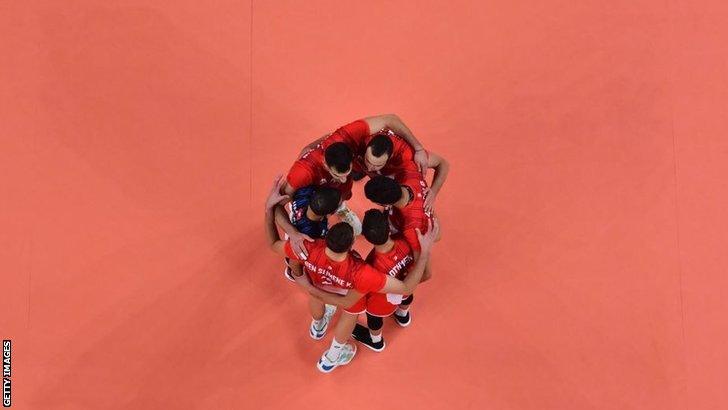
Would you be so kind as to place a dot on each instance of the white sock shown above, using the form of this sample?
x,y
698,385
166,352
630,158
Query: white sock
x,y
401,312
335,350
376,338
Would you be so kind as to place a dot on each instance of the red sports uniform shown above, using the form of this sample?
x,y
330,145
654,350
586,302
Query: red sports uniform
x,y
403,157
352,134
357,136
338,277
310,170
395,263
404,221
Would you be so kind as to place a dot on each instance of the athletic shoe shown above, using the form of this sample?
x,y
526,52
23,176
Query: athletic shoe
x,y
350,217
361,334
318,334
347,353
288,274
403,321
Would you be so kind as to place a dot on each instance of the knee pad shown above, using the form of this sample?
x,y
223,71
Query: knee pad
x,y
374,322
408,300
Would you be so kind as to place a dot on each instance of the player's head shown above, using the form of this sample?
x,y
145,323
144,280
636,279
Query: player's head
x,y
383,190
338,160
378,152
340,237
324,200
376,227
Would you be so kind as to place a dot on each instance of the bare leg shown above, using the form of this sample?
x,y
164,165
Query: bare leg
x,y
317,308
344,327
343,330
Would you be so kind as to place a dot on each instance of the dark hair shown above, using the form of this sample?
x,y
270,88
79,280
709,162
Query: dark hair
x,y
338,156
324,200
381,144
340,237
383,190
376,227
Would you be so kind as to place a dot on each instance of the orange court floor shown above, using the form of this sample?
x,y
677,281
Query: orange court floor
x,y
583,263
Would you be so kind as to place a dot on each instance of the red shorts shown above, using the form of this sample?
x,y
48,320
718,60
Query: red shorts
x,y
383,304
359,307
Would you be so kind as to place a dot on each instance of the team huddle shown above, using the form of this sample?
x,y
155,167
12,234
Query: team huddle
x,y
402,229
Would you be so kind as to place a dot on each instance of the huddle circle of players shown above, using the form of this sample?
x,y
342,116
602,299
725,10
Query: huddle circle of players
x,y
402,229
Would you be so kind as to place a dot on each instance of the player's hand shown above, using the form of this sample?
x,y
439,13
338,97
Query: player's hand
x,y
422,161
274,196
297,240
430,201
426,240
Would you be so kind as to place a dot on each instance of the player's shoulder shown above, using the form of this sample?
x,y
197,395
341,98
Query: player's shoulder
x,y
354,129
352,134
318,245
300,170
310,157
304,170
365,268
401,147
303,194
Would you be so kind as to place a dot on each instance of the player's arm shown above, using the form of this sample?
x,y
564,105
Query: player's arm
x,y
394,123
298,276
411,236
441,167
296,238
329,298
346,301
274,198
427,275
413,278
287,189
284,223
305,284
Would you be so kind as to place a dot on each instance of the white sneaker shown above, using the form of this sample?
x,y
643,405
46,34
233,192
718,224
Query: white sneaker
x,y
347,353
350,217
318,334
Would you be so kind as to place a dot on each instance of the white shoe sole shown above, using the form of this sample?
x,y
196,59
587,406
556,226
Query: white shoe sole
x,y
329,369
373,349
404,324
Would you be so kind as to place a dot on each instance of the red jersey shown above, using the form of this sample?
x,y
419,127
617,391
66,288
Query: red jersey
x,y
395,263
357,136
403,156
310,170
412,215
334,276
353,134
